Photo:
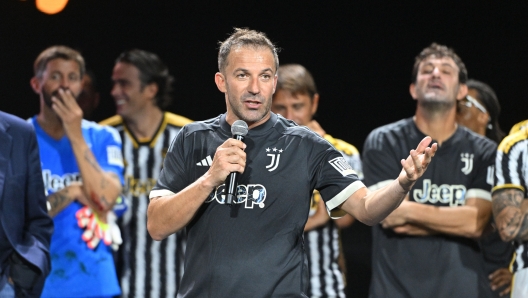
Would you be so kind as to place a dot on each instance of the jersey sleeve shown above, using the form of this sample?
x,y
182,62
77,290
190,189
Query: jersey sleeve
x,y
511,162
480,186
380,164
333,177
108,151
172,178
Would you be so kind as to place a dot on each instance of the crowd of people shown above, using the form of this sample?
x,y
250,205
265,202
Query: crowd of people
x,y
135,205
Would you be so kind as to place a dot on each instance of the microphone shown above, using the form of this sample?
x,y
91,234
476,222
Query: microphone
x,y
239,129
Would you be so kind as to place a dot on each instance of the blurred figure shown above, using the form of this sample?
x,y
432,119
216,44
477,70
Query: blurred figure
x,y
510,203
296,98
519,126
82,170
480,111
89,98
25,226
427,247
142,87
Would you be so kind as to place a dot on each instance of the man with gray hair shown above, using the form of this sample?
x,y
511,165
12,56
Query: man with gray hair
x,y
253,246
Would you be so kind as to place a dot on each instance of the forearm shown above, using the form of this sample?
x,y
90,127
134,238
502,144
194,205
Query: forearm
x,y
511,216
60,200
101,188
466,221
168,214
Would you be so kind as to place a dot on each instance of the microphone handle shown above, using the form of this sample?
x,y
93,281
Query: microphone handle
x,y
232,181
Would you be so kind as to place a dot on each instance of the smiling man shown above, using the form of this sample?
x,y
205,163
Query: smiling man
x,y
254,247
427,247
142,87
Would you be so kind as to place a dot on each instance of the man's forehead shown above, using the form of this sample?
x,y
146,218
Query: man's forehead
x,y
249,53
439,61
59,64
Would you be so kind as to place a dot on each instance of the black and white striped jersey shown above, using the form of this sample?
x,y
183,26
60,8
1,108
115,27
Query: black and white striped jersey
x,y
146,268
323,244
254,248
511,171
439,265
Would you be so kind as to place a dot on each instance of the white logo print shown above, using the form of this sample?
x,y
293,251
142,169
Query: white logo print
x,y
275,158
340,164
206,162
251,195
468,162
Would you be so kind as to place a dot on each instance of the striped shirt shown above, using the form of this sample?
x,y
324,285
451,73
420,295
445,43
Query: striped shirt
x,y
511,171
323,244
147,268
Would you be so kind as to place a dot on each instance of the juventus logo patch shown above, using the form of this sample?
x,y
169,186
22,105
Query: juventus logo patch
x,y
275,159
467,159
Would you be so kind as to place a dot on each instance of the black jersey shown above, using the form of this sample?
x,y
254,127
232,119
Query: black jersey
x,y
512,172
431,266
146,268
255,247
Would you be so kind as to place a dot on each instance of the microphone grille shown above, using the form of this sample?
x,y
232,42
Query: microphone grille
x,y
239,128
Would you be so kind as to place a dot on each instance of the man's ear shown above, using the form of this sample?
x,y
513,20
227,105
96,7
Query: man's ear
x,y
220,82
35,84
315,104
151,90
462,91
412,90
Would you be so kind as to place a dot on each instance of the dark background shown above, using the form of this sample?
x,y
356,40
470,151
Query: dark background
x,y
360,53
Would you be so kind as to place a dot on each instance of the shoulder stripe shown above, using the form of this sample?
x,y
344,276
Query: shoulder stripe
x,y
176,120
512,140
112,121
519,126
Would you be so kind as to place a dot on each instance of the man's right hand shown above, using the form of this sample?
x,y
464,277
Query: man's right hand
x,y
229,157
68,110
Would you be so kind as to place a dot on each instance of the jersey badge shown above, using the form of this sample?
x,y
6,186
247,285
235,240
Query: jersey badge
x,y
275,158
467,159
340,164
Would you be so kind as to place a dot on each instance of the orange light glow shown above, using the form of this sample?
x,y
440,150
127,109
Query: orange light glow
x,y
51,6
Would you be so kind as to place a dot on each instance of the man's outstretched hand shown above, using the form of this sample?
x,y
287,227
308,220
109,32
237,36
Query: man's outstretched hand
x,y
416,163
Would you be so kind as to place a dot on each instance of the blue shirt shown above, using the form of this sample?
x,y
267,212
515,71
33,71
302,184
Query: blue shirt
x,y
76,270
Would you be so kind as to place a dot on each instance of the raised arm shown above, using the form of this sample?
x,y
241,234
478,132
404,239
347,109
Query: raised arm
x,y
371,207
101,187
169,212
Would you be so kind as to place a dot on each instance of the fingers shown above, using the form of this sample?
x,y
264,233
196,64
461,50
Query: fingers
x,y
229,157
424,143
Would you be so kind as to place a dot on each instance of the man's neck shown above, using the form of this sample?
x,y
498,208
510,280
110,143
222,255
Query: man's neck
x,y
439,125
145,125
50,123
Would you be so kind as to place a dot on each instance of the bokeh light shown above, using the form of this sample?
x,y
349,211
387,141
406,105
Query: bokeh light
x,y
51,6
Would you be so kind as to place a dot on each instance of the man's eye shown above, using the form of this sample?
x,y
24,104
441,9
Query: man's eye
x,y
241,75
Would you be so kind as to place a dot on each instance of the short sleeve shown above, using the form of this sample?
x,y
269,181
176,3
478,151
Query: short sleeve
x,y
108,151
380,164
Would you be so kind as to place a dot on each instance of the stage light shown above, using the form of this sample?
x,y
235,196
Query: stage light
x,y
51,6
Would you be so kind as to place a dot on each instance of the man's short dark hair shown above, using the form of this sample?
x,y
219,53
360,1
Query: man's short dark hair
x,y
151,70
440,51
243,37
296,79
57,52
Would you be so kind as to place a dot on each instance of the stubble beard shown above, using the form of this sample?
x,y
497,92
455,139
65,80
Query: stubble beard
x,y
251,116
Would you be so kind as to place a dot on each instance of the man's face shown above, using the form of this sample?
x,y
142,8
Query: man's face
x,y
129,95
249,82
437,82
297,107
59,73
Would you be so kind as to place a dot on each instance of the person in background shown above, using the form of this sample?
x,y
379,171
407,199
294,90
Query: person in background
x,y
25,226
479,111
82,171
510,203
89,98
296,98
142,92
427,247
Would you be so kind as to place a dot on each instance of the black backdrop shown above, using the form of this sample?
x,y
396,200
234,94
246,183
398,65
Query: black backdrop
x,y
360,53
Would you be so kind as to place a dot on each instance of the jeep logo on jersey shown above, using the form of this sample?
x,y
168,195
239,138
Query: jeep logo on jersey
x,y
454,195
56,182
275,158
251,195
340,164
467,159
